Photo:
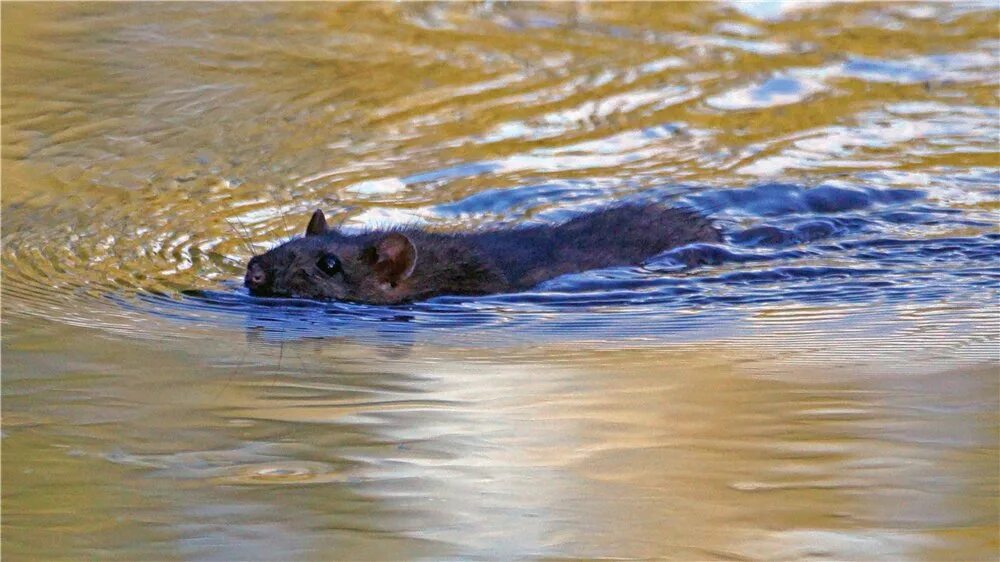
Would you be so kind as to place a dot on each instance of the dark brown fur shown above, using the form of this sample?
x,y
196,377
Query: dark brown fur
x,y
407,264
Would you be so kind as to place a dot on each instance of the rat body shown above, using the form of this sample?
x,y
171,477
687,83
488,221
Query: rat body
x,y
407,264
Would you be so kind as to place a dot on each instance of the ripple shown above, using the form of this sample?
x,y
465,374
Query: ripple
x,y
765,264
136,210
952,67
840,343
776,91
281,473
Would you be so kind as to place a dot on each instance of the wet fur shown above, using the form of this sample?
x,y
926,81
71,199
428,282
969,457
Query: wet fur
x,y
479,262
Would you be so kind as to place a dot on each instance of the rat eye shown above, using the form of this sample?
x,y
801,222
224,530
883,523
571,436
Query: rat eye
x,y
329,264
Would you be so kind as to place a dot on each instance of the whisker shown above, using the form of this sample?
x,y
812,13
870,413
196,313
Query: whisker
x,y
233,261
242,237
284,222
246,231
291,234
343,211
343,220
281,355
232,374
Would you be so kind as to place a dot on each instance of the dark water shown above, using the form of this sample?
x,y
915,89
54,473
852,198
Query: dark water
x,y
822,385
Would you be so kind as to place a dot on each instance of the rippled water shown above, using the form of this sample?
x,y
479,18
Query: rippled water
x,y
823,385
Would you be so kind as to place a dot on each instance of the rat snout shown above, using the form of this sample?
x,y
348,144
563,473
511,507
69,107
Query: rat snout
x,y
256,278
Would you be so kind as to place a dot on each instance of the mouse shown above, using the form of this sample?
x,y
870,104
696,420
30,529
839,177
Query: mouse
x,y
408,264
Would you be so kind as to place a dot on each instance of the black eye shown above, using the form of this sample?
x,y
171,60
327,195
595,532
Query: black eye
x,y
329,264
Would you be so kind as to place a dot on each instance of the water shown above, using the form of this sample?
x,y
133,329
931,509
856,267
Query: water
x,y
823,385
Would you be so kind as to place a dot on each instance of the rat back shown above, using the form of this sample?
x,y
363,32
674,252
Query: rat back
x,y
624,235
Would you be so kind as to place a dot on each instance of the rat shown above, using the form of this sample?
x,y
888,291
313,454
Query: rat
x,y
404,264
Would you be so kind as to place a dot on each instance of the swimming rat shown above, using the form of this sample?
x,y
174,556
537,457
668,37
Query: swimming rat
x,y
408,264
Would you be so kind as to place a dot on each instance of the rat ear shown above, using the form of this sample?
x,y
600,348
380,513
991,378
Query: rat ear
x,y
317,224
395,257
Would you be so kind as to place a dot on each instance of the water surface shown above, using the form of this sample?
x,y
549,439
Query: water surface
x,y
822,385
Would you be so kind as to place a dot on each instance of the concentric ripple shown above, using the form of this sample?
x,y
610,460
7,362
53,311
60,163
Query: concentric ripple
x,y
846,176
820,385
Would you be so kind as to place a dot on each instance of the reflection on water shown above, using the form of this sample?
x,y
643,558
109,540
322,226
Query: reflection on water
x,y
820,386
322,446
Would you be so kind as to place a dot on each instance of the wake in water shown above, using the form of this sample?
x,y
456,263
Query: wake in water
x,y
822,246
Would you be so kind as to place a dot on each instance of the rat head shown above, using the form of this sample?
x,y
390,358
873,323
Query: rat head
x,y
372,268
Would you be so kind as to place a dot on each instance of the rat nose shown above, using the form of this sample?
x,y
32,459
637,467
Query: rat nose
x,y
256,277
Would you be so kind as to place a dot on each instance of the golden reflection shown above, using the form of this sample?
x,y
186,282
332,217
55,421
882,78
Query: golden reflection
x,y
149,148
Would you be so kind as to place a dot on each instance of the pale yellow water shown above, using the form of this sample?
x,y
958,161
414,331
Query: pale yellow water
x,y
839,404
